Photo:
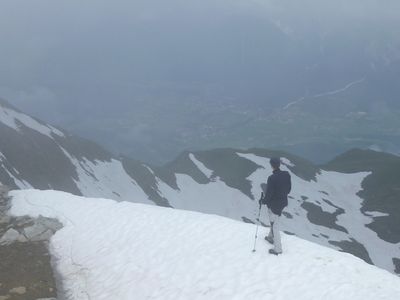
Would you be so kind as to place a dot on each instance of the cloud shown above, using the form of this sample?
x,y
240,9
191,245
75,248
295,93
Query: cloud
x,y
72,46
34,100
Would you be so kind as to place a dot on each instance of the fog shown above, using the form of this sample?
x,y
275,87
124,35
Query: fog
x,y
55,50
69,61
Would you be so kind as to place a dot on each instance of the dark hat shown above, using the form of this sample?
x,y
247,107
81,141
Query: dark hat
x,y
275,162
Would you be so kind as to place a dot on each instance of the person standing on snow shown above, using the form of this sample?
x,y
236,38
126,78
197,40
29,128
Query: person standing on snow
x,y
276,198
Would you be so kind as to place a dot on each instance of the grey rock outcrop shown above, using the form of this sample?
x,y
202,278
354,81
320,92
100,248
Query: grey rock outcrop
x,y
42,229
26,229
9,237
25,269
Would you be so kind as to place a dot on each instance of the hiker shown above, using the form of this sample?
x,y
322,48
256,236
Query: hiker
x,y
276,199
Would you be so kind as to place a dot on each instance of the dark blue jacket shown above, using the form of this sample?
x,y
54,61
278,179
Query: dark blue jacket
x,y
278,187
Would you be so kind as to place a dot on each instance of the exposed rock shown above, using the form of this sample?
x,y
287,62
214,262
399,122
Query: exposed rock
x,y
4,208
354,247
9,237
21,222
4,297
45,236
396,262
317,216
22,239
27,265
287,215
289,233
52,224
18,290
3,189
4,219
42,229
34,231
247,220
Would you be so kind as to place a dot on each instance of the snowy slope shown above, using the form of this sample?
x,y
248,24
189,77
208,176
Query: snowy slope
x,y
333,193
325,206
34,154
17,121
106,179
326,210
111,250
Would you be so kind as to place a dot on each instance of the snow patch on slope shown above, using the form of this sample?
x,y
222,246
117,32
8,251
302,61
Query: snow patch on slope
x,y
212,198
258,160
376,214
287,162
111,250
106,179
20,183
11,118
344,189
201,166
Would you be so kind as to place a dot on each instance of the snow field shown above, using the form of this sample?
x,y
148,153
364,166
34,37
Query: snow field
x,y
125,251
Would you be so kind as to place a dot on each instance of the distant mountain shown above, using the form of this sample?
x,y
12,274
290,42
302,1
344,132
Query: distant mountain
x,y
350,204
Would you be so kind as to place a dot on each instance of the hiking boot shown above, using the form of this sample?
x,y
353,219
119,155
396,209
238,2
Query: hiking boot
x,y
272,251
269,240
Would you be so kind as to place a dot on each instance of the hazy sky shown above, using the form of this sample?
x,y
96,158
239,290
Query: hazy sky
x,y
55,52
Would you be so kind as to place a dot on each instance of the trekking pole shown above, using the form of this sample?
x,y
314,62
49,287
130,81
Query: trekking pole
x,y
258,219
